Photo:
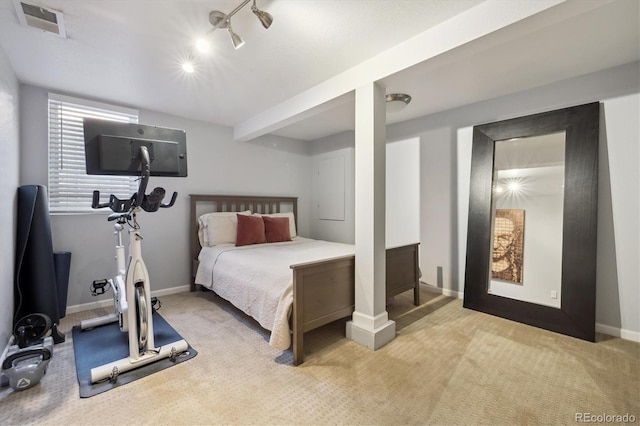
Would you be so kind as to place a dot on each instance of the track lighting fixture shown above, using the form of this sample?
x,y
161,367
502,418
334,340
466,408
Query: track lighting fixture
x,y
221,20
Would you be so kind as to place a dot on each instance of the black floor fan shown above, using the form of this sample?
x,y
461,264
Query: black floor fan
x,y
41,276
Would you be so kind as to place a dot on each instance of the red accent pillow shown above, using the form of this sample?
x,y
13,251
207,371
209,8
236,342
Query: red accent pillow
x,y
276,229
250,230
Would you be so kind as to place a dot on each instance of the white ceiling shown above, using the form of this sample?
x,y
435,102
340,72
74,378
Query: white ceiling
x,y
128,52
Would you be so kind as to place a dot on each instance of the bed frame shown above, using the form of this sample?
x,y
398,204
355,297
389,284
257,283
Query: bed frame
x,y
323,291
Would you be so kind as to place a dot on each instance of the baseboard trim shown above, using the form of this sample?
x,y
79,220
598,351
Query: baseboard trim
x,y
633,336
443,291
109,302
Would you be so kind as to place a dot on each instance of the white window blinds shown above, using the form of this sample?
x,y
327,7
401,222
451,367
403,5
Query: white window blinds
x,y
70,188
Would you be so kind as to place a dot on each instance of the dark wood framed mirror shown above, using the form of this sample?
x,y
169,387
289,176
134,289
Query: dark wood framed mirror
x,y
493,158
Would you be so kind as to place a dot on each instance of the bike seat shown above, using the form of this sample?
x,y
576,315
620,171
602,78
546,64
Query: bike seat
x,y
118,216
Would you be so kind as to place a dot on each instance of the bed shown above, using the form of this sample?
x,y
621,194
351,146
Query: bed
x,y
316,278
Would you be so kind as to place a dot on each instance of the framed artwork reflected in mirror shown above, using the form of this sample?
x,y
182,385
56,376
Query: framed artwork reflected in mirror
x,y
507,260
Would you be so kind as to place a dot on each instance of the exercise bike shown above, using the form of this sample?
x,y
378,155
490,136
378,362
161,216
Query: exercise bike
x,y
133,306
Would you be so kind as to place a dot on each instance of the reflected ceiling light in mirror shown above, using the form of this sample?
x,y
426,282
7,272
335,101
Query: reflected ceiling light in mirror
x,y
514,187
397,101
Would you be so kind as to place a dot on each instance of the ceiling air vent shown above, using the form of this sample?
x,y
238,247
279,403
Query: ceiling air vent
x,y
36,16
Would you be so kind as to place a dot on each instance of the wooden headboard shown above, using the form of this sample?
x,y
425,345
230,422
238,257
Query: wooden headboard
x,y
203,203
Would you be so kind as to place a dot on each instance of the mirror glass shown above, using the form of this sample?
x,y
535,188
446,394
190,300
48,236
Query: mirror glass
x,y
526,219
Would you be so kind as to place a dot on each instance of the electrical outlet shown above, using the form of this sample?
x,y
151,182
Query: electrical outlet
x,y
554,294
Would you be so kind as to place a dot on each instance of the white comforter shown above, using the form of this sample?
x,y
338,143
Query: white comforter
x,y
258,279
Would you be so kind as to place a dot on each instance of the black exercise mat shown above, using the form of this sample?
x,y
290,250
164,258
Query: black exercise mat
x,y
106,343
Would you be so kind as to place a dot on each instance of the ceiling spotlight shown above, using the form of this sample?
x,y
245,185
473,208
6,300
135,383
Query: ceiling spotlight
x,y
265,18
187,66
236,40
397,101
202,45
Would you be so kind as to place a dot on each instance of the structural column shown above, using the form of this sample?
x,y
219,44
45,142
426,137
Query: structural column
x,y
370,325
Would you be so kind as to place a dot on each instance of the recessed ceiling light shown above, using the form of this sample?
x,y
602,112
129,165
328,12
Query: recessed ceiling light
x,y
187,66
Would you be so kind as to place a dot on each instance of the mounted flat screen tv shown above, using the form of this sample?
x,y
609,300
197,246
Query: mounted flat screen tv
x,y
113,148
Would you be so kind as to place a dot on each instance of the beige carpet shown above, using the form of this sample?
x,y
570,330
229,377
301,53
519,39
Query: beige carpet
x,y
448,365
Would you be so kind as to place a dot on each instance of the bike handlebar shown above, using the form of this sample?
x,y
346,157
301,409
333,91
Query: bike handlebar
x,y
149,202
95,203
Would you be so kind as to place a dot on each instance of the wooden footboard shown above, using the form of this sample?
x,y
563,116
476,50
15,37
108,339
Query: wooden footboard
x,y
324,291
403,271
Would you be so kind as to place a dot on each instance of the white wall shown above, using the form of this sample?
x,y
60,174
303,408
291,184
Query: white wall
x,y
619,216
216,165
9,137
402,192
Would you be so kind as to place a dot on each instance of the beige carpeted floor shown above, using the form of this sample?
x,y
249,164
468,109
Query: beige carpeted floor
x,y
448,365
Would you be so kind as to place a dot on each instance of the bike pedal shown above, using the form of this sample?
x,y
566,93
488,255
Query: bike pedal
x,y
99,287
155,303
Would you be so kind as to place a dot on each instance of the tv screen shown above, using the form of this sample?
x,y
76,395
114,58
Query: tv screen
x,y
112,148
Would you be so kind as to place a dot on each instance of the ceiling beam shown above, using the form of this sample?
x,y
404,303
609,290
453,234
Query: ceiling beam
x,y
470,25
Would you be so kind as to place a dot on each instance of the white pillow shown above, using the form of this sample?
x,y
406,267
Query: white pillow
x,y
292,220
218,228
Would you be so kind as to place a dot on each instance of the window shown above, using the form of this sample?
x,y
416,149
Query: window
x,y
70,188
